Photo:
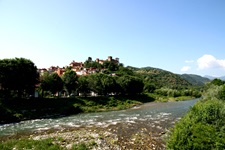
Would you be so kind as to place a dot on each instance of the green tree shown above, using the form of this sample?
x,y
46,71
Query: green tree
x,y
89,59
124,71
111,66
57,83
18,76
149,87
95,83
221,93
93,64
99,83
51,82
130,85
83,85
70,81
45,83
217,82
109,84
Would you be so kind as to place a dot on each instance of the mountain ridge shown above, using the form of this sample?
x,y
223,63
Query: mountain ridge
x,y
162,77
195,79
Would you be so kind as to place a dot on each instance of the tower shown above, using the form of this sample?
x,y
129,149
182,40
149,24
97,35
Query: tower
x,y
110,58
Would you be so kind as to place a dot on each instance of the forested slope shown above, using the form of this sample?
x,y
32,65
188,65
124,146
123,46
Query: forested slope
x,y
161,78
195,79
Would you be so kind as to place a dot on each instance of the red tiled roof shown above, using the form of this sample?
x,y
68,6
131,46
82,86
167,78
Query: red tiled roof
x,y
73,63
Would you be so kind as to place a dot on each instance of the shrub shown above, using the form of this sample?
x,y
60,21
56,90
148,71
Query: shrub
x,y
201,128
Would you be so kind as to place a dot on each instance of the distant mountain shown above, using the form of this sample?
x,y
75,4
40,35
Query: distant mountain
x,y
222,78
161,78
195,79
211,77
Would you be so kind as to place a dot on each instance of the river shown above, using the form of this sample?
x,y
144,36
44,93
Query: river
x,y
156,117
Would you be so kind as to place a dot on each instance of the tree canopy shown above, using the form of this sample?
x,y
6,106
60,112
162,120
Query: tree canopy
x,y
19,75
83,85
51,82
130,84
70,81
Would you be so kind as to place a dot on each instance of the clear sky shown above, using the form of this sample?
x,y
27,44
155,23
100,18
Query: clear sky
x,y
181,36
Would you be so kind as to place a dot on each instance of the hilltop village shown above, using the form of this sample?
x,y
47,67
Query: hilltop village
x,y
79,67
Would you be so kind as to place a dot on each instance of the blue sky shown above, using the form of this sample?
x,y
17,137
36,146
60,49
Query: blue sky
x,y
181,36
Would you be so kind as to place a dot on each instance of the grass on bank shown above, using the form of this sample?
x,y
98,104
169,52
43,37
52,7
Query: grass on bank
x,y
161,98
45,144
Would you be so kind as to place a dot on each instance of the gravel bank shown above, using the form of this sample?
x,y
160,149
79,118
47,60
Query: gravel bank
x,y
114,137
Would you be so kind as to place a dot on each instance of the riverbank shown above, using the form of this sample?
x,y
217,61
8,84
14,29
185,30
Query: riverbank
x,y
15,109
18,109
141,127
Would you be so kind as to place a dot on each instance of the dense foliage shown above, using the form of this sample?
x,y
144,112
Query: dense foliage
x,y
203,127
83,85
93,64
161,78
104,84
51,82
178,92
130,85
18,77
70,80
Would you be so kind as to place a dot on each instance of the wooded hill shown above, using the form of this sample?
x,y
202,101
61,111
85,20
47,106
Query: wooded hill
x,y
163,78
195,79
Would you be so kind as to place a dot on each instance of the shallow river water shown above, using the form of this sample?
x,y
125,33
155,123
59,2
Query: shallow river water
x,y
157,116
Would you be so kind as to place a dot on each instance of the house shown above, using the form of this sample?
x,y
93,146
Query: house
x,y
78,67
60,71
42,71
53,69
76,64
82,72
91,70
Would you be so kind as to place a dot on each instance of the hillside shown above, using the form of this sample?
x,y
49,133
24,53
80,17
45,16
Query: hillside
x,y
195,79
161,78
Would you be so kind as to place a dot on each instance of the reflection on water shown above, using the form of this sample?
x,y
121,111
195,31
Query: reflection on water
x,y
155,115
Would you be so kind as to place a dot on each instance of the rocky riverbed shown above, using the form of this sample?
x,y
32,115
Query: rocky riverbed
x,y
121,136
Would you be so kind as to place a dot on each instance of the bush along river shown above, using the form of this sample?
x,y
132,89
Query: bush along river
x,y
141,127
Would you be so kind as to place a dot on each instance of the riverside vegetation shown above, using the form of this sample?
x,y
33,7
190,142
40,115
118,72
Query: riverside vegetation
x,y
131,86
203,127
